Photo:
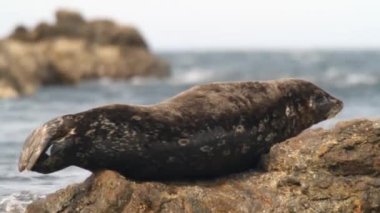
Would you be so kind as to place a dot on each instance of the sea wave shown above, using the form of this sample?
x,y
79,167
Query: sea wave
x,y
192,76
333,76
17,202
180,76
347,78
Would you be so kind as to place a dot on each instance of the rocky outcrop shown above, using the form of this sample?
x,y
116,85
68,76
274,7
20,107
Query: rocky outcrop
x,y
71,50
335,170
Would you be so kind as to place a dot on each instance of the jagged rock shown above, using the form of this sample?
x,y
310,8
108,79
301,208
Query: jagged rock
x,y
71,50
335,170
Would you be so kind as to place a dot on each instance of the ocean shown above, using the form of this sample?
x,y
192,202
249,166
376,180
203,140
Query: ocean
x,y
352,76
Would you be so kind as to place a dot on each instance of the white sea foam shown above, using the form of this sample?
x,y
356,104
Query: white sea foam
x,y
346,78
189,76
361,78
17,202
192,76
145,80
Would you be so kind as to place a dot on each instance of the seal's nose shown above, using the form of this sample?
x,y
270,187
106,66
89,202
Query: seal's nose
x,y
336,107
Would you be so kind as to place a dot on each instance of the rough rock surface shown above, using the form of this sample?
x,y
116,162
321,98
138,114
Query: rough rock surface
x,y
335,170
70,50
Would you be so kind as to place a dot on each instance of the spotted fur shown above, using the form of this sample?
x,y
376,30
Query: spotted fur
x,y
208,130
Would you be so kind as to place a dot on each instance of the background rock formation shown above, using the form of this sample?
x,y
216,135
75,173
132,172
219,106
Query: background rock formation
x,y
320,170
71,50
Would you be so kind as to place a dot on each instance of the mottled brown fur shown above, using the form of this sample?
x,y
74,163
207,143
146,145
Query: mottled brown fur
x,y
208,130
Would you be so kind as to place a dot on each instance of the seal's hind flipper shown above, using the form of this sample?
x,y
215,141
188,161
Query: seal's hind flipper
x,y
34,145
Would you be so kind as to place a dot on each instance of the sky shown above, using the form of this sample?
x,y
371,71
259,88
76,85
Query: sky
x,y
222,25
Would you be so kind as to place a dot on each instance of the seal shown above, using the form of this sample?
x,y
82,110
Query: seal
x,y
206,131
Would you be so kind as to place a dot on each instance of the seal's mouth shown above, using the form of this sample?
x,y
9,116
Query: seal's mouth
x,y
336,107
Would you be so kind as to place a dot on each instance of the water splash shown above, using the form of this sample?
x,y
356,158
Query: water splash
x,y
17,202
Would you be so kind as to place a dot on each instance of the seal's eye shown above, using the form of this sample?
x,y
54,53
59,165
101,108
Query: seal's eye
x,y
320,98
317,100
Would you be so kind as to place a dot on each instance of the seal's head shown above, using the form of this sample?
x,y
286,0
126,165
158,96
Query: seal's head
x,y
309,100
323,104
49,147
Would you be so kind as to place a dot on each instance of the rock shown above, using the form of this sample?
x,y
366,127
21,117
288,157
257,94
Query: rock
x,y
335,170
72,25
69,18
72,50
